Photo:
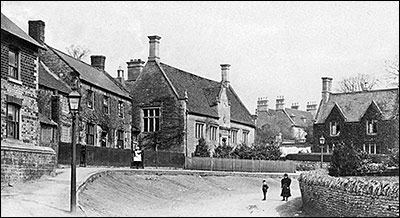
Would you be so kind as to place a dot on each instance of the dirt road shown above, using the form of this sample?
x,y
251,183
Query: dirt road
x,y
183,195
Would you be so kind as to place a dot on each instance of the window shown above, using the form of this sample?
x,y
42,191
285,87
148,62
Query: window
x,y
371,148
213,133
121,109
199,130
13,64
105,104
151,118
90,134
334,128
234,136
245,137
120,139
90,99
13,121
372,127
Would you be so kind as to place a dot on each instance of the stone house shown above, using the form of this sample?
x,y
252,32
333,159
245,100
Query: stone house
x,y
291,123
23,157
369,119
173,108
105,112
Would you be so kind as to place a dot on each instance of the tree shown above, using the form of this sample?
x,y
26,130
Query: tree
x,y
392,71
78,51
360,82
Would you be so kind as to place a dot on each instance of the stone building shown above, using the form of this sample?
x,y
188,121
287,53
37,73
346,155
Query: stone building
x,y
105,113
369,119
291,123
23,157
173,108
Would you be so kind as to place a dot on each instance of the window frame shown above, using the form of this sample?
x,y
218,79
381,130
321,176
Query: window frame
x,y
199,130
151,123
234,134
18,64
337,132
90,97
106,104
245,136
90,135
16,123
120,141
374,126
120,109
213,133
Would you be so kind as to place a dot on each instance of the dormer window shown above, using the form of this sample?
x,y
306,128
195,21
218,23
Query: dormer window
x,y
334,128
372,127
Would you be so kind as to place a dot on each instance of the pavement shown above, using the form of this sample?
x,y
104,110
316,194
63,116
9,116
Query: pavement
x,y
50,196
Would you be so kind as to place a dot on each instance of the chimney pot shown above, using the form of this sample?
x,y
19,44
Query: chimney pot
x,y
36,30
98,61
154,49
225,74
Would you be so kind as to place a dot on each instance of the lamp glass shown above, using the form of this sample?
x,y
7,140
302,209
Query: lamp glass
x,y
322,140
74,100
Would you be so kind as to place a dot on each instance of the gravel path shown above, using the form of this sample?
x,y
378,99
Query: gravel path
x,y
184,195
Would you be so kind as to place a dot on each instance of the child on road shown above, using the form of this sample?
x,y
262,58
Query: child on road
x,y
264,189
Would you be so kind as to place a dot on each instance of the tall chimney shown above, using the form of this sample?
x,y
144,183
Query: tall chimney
x,y
225,74
135,67
326,88
262,104
154,50
36,30
295,106
120,76
98,61
280,102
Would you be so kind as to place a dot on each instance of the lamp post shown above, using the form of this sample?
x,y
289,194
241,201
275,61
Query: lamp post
x,y
321,144
74,101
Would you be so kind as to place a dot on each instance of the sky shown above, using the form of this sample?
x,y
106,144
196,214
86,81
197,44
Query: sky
x,y
274,48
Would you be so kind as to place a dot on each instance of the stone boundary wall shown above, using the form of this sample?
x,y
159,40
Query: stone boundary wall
x,y
23,163
328,196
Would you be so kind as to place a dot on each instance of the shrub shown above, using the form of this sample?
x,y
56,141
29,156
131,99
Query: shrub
x,y
393,159
257,151
346,160
202,149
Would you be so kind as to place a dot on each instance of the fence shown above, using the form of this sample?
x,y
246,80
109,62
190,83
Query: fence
x,y
315,157
95,156
163,159
239,165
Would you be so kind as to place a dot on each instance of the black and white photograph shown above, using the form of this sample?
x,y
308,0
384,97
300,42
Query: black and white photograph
x,y
200,108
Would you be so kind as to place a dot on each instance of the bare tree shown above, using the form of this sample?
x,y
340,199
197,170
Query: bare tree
x,y
360,82
78,51
392,69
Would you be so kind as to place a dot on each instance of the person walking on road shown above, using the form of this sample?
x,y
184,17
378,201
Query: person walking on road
x,y
264,189
285,185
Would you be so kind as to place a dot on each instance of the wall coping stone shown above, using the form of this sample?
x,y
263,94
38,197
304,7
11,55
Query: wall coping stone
x,y
16,145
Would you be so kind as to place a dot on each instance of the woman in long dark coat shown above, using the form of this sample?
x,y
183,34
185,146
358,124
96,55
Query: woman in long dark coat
x,y
285,185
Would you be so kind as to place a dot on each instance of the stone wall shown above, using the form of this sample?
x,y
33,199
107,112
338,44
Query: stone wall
x,y
325,196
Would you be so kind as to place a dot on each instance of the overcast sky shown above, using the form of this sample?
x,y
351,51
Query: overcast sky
x,y
274,48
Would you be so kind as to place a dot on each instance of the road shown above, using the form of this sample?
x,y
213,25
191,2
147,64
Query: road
x,y
186,195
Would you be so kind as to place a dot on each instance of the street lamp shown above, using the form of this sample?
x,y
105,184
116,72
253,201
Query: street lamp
x,y
74,101
321,144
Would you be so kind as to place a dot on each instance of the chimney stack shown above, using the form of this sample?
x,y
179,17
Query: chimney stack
x,y
154,50
98,61
262,104
135,67
225,74
36,30
120,76
295,106
312,108
280,102
326,88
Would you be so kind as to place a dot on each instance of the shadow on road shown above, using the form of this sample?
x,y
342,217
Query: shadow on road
x,y
292,209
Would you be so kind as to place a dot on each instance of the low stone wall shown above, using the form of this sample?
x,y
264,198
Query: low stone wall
x,y
20,163
328,196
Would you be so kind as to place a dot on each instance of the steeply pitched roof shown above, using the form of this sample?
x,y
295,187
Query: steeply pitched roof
x,y
10,27
299,116
50,80
354,105
202,94
92,75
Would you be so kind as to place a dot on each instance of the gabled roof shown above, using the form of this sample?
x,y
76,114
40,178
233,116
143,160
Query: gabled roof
x,y
354,105
202,94
50,80
10,27
91,74
301,118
